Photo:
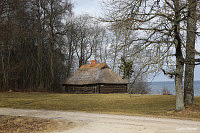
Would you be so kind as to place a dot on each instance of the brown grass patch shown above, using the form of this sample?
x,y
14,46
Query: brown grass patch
x,y
17,124
194,109
190,112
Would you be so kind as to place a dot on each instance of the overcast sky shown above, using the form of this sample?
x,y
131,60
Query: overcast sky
x,y
93,7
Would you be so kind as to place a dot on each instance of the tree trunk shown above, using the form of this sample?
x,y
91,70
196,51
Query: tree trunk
x,y
190,53
179,57
179,86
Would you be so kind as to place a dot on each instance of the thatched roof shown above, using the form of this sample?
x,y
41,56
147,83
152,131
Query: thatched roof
x,y
98,73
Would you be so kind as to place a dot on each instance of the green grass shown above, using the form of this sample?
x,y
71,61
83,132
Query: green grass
x,y
147,105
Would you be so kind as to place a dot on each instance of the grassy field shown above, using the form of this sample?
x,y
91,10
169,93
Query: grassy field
x,y
147,105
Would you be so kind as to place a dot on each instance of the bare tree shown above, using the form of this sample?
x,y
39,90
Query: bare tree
x,y
83,45
31,55
90,38
160,28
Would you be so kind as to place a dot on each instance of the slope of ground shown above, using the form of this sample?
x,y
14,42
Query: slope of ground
x,y
146,105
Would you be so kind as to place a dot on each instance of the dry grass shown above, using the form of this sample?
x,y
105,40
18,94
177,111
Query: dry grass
x,y
188,113
147,105
16,124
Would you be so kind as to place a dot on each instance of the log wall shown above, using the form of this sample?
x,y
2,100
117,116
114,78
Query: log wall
x,y
80,89
90,89
113,89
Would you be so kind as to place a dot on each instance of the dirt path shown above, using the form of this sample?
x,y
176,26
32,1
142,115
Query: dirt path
x,y
106,123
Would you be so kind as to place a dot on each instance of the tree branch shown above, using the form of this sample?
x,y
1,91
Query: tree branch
x,y
171,74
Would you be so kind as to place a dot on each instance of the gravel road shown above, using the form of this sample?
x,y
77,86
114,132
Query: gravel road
x,y
107,123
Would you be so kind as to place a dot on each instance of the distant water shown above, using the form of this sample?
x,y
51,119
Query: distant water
x,y
157,87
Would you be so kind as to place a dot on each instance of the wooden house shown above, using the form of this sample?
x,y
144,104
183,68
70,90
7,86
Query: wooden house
x,y
95,78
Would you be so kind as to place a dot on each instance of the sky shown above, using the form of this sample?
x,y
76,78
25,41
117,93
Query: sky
x,y
93,7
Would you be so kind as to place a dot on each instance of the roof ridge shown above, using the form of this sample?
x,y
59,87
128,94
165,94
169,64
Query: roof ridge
x,y
97,65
